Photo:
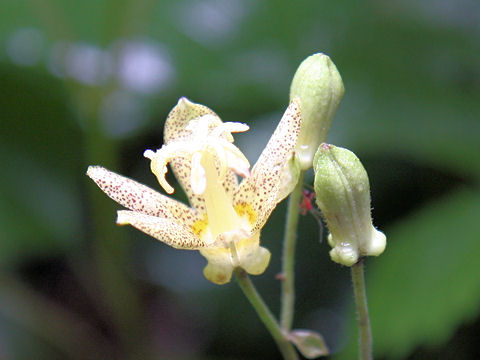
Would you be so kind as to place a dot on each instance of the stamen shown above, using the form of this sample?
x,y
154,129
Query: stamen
x,y
198,178
228,128
222,159
159,168
208,135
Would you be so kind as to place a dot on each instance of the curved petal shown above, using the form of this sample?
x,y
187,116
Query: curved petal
x,y
175,129
169,231
262,189
179,118
140,198
253,257
220,267
161,157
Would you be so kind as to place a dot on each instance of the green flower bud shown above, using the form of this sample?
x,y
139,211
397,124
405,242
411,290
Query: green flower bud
x,y
318,87
343,194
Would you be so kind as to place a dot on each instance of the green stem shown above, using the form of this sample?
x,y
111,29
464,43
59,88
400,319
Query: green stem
x,y
288,262
364,331
285,347
110,249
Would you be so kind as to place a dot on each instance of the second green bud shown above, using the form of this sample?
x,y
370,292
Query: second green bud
x,y
343,195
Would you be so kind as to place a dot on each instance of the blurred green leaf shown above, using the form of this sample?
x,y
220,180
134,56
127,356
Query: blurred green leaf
x,y
39,152
417,98
426,283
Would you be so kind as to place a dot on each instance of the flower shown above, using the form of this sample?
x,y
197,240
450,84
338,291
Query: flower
x,y
343,194
225,217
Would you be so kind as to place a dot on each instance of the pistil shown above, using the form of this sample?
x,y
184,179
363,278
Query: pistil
x,y
220,212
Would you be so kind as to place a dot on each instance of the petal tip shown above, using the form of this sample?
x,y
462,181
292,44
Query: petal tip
x,y
149,154
122,218
93,171
184,102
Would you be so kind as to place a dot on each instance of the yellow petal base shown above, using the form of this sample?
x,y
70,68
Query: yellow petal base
x,y
253,258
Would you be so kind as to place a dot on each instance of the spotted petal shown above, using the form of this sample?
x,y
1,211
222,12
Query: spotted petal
x,y
169,231
263,189
177,128
140,198
179,118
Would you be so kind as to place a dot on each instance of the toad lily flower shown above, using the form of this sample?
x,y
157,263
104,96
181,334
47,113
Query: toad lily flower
x,y
225,217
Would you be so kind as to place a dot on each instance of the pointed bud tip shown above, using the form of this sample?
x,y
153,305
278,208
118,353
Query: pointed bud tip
x,y
318,87
326,146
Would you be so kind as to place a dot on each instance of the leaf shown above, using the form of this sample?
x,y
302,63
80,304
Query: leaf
x,y
309,343
426,284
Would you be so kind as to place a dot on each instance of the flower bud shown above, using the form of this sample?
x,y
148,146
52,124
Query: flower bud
x,y
343,195
318,87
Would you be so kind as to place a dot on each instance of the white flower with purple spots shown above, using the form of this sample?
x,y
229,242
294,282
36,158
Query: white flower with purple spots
x,y
225,217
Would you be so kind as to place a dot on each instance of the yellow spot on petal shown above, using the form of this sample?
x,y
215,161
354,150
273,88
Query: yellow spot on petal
x,y
199,226
245,209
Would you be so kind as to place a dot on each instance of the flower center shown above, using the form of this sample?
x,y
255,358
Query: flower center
x,y
206,136
222,217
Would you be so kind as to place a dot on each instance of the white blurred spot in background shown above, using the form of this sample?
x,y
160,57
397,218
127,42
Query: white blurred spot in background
x,y
129,71
88,64
143,66
25,46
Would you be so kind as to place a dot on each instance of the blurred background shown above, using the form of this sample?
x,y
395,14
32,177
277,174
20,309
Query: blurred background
x,y
91,82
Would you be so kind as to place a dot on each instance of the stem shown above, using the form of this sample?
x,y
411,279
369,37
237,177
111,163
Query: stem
x,y
264,313
110,250
364,331
288,261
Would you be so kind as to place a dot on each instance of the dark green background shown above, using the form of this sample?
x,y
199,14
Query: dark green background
x,y
75,286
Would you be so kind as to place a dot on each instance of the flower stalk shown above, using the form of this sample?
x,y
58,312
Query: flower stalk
x,y
317,86
364,331
343,194
288,257
265,315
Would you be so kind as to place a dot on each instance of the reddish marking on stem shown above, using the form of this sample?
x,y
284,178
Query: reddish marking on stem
x,y
306,204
